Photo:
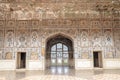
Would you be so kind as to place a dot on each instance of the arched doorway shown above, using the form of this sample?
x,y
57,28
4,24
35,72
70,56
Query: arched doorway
x,y
59,52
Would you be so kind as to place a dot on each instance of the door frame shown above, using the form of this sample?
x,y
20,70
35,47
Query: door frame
x,y
101,64
18,57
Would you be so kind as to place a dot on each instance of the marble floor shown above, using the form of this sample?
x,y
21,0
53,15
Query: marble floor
x,y
61,73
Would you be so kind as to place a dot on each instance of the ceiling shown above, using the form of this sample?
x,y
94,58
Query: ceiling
x,y
54,9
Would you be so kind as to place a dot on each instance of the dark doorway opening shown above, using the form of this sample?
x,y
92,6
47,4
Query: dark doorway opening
x,y
21,60
97,58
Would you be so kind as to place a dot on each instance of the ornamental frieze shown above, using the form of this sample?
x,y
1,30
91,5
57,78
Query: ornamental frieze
x,y
60,23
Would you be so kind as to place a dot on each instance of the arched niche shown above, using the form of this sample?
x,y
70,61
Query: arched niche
x,y
61,43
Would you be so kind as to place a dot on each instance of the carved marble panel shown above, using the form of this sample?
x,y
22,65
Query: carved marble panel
x,y
34,38
22,38
108,38
109,55
96,38
9,38
34,54
11,23
83,24
84,35
109,52
117,42
96,24
107,24
8,53
116,24
84,53
35,23
21,24
8,56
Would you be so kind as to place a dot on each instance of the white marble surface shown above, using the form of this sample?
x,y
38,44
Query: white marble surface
x,y
83,63
60,74
112,63
7,65
79,64
35,65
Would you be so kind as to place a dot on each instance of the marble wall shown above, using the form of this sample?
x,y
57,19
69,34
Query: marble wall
x,y
21,35
31,37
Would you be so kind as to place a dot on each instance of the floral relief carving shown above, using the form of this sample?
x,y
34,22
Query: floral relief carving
x,y
34,56
8,56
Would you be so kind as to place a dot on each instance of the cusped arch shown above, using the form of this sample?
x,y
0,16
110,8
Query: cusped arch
x,y
60,35
55,39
